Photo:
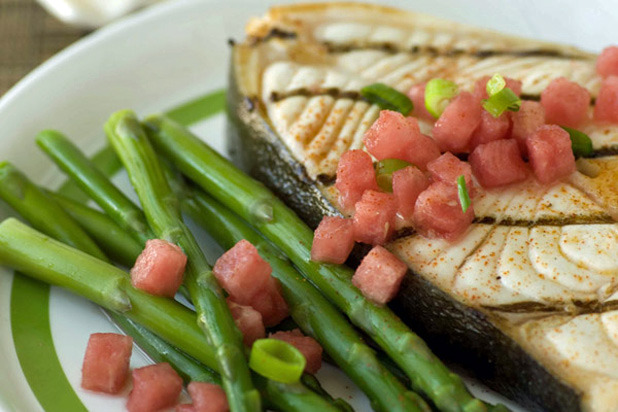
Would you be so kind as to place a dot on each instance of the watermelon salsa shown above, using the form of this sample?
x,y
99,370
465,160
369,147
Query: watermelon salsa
x,y
503,139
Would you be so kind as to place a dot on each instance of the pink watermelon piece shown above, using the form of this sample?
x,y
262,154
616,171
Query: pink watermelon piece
x,y
606,106
154,387
550,153
158,270
206,397
270,303
106,362
607,62
454,128
248,320
417,95
480,86
408,183
309,347
394,136
491,128
374,219
498,163
333,240
447,168
379,275
242,272
530,116
355,174
438,213
566,103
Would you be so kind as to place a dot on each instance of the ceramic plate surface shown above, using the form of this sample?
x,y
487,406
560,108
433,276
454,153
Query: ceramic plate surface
x,y
156,60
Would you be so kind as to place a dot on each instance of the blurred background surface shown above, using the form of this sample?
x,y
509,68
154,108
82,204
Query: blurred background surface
x,y
28,36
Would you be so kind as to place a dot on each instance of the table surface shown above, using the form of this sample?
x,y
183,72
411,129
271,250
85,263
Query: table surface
x,y
28,37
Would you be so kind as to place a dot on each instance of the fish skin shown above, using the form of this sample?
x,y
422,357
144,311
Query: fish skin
x,y
498,344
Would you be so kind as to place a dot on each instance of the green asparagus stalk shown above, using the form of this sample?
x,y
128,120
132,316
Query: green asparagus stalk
x,y
50,261
242,194
94,183
114,240
393,387
311,311
162,212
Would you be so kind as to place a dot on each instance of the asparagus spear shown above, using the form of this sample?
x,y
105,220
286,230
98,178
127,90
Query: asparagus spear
x,y
163,214
50,261
242,194
115,203
110,237
307,304
311,311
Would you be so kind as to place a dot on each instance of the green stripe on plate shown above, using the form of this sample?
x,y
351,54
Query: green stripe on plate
x,y
30,298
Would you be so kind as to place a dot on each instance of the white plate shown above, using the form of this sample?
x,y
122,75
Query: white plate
x,y
153,61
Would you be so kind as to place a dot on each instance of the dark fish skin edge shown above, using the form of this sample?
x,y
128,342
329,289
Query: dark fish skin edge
x,y
455,332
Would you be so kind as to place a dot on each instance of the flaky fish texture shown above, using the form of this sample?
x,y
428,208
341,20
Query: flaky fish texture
x,y
528,298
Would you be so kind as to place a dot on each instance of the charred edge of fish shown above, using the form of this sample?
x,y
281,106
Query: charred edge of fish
x,y
448,52
252,141
463,335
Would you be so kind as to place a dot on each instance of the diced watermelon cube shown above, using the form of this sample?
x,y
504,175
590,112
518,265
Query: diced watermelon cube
x,y
270,303
480,87
438,213
379,275
606,106
447,168
417,95
159,268
530,116
566,103
242,272
498,163
309,347
607,62
154,387
333,240
491,128
408,183
248,320
454,128
106,362
206,397
374,218
394,136
550,153
355,174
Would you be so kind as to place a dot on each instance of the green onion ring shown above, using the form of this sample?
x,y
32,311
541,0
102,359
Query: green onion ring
x,y
495,84
505,99
462,191
277,360
580,142
384,172
387,98
438,93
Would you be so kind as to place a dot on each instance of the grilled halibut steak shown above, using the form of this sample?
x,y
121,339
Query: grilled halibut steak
x,y
527,299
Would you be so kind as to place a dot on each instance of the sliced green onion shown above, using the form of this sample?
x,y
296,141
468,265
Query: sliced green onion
x,y
387,98
495,84
505,99
462,191
580,142
384,172
438,93
277,360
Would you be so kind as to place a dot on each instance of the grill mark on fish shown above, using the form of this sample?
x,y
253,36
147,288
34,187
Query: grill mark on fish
x,y
274,33
573,220
567,309
449,52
